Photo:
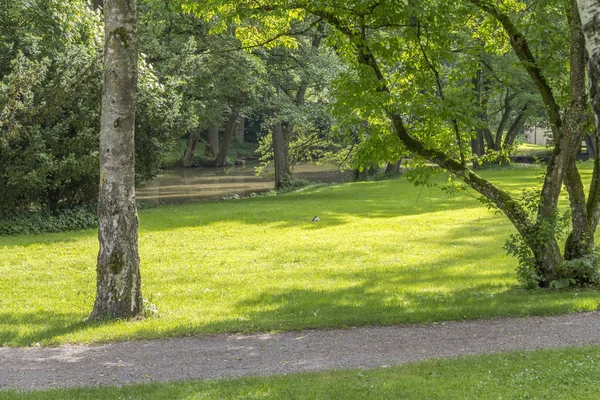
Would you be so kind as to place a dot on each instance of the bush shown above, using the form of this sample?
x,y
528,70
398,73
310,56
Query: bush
x,y
44,221
50,99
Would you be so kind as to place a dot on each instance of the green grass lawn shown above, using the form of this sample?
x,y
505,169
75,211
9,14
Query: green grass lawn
x,y
530,149
383,253
548,374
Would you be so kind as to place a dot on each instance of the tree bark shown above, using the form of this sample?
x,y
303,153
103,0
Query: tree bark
x,y
503,121
118,277
227,136
212,142
483,96
282,174
188,157
514,128
589,13
590,144
239,130
581,239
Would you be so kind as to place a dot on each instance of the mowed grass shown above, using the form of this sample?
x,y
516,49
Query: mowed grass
x,y
548,374
382,253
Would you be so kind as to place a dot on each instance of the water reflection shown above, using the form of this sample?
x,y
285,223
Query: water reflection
x,y
194,184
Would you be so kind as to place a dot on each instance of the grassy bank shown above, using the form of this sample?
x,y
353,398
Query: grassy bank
x,y
382,253
547,374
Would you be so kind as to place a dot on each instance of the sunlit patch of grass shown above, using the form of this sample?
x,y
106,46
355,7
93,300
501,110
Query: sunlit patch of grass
x,y
530,149
382,253
572,373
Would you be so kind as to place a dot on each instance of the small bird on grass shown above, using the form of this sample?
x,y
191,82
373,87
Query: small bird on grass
x,y
315,219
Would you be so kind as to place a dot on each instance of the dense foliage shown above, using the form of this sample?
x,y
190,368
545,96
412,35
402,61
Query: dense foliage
x,y
50,88
424,76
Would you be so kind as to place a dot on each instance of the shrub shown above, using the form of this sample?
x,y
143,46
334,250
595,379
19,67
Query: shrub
x,y
44,221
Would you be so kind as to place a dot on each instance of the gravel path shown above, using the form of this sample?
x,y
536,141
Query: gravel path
x,y
210,357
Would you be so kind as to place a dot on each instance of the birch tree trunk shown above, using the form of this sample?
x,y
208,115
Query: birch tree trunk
x,y
118,277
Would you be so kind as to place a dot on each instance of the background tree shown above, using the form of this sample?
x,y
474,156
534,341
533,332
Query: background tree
x,y
203,61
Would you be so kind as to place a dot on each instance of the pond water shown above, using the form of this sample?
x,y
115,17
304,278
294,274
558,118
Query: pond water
x,y
183,185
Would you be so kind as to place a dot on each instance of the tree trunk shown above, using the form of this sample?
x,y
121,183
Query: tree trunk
x,y
483,97
515,127
393,167
590,144
282,173
239,130
118,277
581,239
227,137
212,142
503,121
188,157
589,13
288,130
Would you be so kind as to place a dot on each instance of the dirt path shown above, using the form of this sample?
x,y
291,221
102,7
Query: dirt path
x,y
220,356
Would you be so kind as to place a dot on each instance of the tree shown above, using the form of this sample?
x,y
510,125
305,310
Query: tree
x,y
118,292
49,105
403,76
298,100
589,11
506,99
50,98
205,62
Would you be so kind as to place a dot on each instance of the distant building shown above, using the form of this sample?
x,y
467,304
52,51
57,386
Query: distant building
x,y
538,135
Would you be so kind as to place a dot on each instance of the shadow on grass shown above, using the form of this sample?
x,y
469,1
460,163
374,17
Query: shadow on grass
x,y
28,328
46,238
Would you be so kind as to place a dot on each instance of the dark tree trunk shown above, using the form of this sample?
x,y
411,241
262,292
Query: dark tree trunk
x,y
515,127
212,142
503,121
478,143
190,151
282,172
227,137
239,130
288,130
590,144
393,167
281,160
118,277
